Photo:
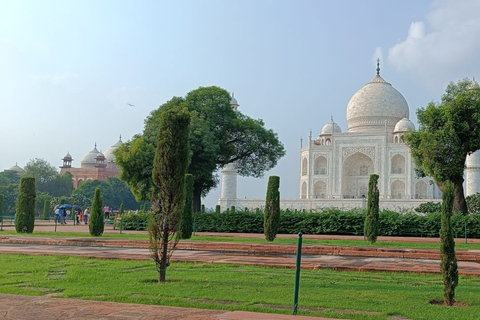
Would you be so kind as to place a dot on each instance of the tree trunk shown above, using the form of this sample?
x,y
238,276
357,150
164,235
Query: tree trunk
x,y
197,197
164,252
460,204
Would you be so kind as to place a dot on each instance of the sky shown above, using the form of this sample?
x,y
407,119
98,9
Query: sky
x,y
69,69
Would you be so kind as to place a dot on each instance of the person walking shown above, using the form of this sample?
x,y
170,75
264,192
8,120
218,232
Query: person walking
x,y
86,215
106,211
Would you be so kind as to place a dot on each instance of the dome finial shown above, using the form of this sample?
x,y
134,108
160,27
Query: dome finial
x,y
331,118
378,66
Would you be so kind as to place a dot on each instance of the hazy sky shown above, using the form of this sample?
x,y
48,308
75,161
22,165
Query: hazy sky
x,y
69,68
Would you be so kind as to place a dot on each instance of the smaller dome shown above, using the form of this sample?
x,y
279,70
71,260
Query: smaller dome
x,y
100,155
67,156
330,128
17,169
109,154
89,160
404,125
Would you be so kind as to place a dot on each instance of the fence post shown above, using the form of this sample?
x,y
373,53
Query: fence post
x,y
297,273
465,232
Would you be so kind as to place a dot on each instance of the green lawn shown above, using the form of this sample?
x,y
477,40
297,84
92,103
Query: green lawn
x,y
126,235
326,293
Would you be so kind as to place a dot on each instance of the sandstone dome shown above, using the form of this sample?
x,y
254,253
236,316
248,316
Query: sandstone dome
x,y
375,106
88,160
404,125
330,128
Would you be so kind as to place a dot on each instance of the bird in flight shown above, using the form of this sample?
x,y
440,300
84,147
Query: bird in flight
x,y
131,105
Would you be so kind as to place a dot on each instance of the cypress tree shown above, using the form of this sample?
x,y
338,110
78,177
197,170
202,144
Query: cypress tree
x,y
232,209
96,225
185,228
271,220
25,209
121,210
202,208
46,210
447,248
371,220
169,170
1,207
217,209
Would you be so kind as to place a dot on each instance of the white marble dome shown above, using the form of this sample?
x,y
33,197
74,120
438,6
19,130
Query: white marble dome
x,y
330,128
88,160
375,106
404,125
109,154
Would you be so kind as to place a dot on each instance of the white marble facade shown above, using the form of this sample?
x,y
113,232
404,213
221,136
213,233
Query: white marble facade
x,y
335,166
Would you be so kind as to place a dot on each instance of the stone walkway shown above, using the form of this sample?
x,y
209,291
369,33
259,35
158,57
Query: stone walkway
x,y
276,255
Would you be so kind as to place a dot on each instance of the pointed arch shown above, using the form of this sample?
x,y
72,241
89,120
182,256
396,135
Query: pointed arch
x,y
304,190
356,171
397,190
397,165
304,166
320,165
421,190
320,189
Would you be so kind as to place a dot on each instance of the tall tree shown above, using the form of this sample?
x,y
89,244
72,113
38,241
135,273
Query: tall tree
x,y
170,166
1,208
25,210
185,227
218,136
271,221
448,132
48,179
447,249
372,218
97,224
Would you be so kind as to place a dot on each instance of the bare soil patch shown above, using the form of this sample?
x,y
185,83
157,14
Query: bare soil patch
x,y
457,304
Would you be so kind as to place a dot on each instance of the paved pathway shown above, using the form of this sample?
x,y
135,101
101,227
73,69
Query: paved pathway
x,y
334,257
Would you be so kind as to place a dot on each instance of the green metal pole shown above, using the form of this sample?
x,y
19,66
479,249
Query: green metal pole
x,y
297,274
465,232
121,224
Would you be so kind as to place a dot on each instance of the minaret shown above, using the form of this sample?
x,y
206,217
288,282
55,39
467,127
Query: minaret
x,y
229,174
472,163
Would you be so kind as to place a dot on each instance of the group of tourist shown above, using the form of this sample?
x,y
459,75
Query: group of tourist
x,y
61,215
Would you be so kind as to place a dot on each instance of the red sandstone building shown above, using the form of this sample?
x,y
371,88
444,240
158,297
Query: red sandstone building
x,y
94,165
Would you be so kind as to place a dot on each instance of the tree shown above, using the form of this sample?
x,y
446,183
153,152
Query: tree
x,y
40,199
48,179
170,166
1,208
25,209
96,226
218,136
447,248
272,209
121,210
448,132
46,210
372,218
8,177
10,195
185,227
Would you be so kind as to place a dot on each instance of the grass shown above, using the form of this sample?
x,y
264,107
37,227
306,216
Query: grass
x,y
293,241
326,293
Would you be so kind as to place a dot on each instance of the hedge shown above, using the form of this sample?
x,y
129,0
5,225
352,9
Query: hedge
x,y
329,221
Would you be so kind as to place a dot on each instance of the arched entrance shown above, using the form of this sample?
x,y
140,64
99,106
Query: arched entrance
x,y
356,172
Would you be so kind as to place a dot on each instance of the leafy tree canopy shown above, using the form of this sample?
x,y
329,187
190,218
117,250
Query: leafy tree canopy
x,y
48,179
218,136
448,131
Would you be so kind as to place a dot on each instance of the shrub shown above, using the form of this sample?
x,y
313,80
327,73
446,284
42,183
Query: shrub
x,y
46,210
429,207
272,209
97,224
25,209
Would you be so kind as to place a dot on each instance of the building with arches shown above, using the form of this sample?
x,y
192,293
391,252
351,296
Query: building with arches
x,y
94,165
335,166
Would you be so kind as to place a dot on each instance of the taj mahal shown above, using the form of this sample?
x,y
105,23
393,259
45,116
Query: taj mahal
x,y
335,166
